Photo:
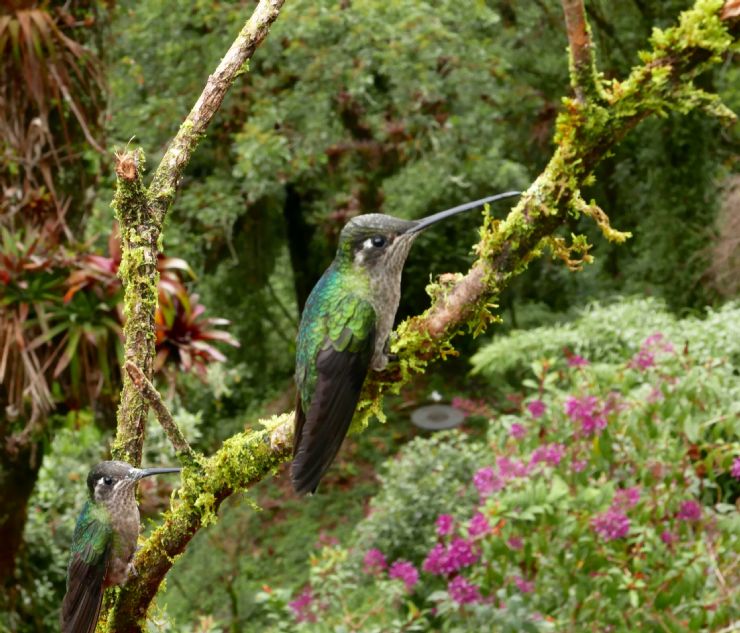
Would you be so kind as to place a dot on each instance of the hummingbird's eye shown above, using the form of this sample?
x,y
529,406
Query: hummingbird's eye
x,y
107,480
378,241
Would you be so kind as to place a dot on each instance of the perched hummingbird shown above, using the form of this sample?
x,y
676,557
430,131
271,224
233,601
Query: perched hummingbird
x,y
104,541
345,329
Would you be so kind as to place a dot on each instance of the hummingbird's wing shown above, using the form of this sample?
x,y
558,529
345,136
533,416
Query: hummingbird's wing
x,y
341,367
91,550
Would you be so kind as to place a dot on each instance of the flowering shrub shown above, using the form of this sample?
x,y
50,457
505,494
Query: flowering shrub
x,y
609,507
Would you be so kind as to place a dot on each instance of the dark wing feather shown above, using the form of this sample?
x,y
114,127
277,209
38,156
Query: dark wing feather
x,y
86,574
319,432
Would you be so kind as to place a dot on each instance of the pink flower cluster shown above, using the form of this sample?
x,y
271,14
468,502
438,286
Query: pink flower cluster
x,y
614,523
445,524
645,357
374,564
301,606
447,559
463,591
406,572
577,361
487,482
735,468
611,525
550,454
536,408
689,511
588,412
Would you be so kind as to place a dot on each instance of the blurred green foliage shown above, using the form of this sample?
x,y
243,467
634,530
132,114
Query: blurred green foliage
x,y
605,333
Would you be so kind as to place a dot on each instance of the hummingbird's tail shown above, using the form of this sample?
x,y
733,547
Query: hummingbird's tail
x,y
81,605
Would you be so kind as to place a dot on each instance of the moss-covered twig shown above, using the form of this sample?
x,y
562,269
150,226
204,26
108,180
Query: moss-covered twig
x,y
141,213
583,74
587,129
154,399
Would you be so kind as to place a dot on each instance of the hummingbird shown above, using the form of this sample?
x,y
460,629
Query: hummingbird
x,y
345,329
104,541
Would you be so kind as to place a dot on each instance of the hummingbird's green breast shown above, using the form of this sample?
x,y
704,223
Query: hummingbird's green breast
x,y
338,313
93,533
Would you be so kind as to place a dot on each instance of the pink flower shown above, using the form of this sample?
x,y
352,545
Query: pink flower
x,y
517,431
549,453
577,361
579,465
643,360
536,408
478,525
435,560
611,525
301,606
515,543
462,591
374,562
487,482
668,538
735,469
445,524
689,511
443,560
587,411
460,554
525,586
405,571
511,468
626,498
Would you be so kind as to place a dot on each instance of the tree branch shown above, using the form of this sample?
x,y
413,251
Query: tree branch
x,y
151,395
587,129
167,176
141,214
583,75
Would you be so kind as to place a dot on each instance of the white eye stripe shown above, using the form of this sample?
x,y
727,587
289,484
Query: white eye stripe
x,y
368,243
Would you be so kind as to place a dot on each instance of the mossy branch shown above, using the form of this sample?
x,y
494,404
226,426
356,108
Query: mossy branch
x,y
587,129
141,213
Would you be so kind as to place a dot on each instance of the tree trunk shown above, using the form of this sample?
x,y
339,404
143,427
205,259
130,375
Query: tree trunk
x,y
19,469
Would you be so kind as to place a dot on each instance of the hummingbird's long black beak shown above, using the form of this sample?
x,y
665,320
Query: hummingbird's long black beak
x,y
139,473
433,219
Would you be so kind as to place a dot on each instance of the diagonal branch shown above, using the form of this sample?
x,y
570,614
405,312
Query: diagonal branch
x,y
151,395
586,132
141,214
167,176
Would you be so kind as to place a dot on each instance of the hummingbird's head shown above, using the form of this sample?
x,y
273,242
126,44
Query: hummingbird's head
x,y
109,480
372,241
381,243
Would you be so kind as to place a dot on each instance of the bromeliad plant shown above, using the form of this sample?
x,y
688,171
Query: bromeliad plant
x,y
607,503
61,340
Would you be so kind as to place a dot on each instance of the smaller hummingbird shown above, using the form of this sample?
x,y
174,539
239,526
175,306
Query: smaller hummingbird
x,y
104,541
345,329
